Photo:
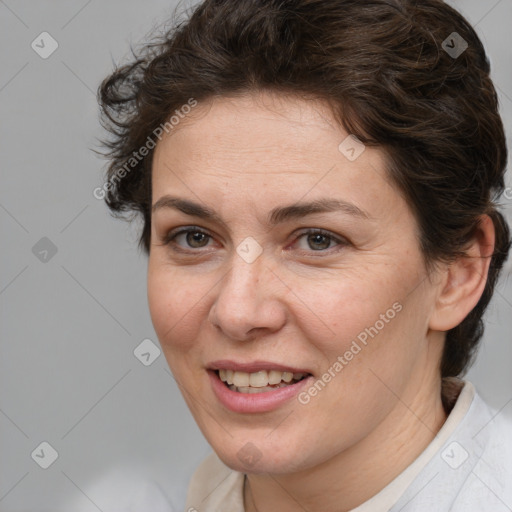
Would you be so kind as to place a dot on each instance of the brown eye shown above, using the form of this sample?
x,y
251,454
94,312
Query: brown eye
x,y
319,240
196,238
193,238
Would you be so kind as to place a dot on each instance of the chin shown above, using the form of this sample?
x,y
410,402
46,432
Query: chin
x,y
260,457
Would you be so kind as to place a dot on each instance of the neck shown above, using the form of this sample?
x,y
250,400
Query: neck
x,y
353,476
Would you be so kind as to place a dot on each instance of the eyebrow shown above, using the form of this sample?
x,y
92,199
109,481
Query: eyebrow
x,y
276,216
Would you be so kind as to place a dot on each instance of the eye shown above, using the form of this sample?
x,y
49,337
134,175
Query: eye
x,y
192,237
319,240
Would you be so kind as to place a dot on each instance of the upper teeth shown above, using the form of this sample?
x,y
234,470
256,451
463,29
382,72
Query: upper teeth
x,y
257,379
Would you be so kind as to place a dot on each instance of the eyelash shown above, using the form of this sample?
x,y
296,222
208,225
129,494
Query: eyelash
x,y
172,235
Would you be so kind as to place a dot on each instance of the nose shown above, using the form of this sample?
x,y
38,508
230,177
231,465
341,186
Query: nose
x,y
249,301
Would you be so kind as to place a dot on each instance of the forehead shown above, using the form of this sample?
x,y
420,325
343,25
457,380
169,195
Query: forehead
x,y
276,145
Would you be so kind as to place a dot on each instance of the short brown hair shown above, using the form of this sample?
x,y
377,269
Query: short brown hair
x,y
382,67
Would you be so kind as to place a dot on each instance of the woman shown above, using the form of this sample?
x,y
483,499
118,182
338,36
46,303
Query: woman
x,y
318,182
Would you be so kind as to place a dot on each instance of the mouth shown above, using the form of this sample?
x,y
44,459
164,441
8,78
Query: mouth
x,y
256,387
261,381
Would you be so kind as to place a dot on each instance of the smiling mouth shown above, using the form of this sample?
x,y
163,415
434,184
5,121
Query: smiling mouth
x,y
258,382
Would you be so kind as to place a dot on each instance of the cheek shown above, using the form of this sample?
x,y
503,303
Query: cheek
x,y
364,320
175,301
345,306
379,344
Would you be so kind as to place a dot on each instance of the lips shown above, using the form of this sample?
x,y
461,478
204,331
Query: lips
x,y
258,386
255,400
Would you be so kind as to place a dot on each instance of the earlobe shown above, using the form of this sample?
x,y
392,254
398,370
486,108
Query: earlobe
x,y
464,280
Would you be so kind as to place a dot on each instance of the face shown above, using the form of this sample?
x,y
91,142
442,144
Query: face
x,y
249,279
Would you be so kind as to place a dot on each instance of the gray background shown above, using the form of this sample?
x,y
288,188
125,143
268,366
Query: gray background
x,y
70,324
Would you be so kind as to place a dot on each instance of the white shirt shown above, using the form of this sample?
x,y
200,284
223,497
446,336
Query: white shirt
x,y
466,468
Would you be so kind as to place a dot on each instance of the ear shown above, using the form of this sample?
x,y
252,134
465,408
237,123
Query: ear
x,y
464,280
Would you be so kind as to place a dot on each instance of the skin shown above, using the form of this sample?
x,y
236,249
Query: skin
x,y
303,300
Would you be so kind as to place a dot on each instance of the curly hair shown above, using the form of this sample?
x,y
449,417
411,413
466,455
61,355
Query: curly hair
x,y
411,77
